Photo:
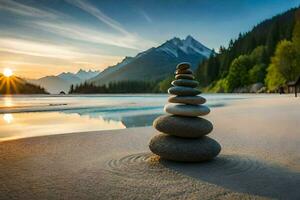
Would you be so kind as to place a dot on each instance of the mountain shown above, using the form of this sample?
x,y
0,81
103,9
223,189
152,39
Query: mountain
x,y
70,77
155,63
85,75
63,81
79,77
53,84
16,85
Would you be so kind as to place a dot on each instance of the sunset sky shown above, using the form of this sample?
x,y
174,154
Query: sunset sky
x,y
47,37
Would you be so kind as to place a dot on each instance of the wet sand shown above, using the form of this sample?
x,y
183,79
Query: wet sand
x,y
260,159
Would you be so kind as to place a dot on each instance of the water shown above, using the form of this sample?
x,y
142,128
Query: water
x,y
37,115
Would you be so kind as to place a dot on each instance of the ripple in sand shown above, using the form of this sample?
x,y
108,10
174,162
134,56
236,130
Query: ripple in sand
x,y
224,165
136,164
147,167
146,164
233,165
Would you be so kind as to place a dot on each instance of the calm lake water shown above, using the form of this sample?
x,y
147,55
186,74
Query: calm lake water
x,y
36,115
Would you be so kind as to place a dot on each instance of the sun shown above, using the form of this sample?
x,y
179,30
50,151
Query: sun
x,y
7,72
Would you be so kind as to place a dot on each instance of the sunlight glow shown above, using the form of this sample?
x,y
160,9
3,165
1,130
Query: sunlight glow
x,y
8,118
7,72
8,84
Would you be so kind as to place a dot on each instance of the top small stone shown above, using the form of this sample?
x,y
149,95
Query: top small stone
x,y
183,66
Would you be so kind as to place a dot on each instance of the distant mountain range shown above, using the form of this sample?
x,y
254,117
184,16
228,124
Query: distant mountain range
x,y
156,63
153,64
63,81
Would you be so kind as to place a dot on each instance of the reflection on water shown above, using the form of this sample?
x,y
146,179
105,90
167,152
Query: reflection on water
x,y
22,125
129,116
19,125
8,118
8,101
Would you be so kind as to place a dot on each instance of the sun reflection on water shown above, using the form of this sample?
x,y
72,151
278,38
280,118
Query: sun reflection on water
x,y
8,102
22,125
8,118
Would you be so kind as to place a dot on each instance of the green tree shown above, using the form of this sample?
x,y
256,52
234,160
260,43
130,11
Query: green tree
x,y
296,37
71,89
238,72
257,73
283,65
296,31
220,86
258,55
165,84
274,79
273,37
208,71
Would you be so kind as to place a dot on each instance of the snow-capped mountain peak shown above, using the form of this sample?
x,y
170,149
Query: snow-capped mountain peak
x,y
155,63
188,46
85,75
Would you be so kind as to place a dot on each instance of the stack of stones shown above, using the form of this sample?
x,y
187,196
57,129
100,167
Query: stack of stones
x,y
184,133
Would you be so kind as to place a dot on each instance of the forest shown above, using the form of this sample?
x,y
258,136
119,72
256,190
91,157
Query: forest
x,y
115,87
268,54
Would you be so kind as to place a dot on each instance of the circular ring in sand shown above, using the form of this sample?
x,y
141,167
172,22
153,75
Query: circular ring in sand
x,y
146,166
135,164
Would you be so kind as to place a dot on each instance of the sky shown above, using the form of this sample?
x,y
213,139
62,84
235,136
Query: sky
x,y
47,37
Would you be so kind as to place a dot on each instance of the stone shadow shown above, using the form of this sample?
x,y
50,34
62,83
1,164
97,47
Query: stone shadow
x,y
243,174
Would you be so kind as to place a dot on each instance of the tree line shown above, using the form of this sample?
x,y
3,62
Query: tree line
x,y
268,54
116,87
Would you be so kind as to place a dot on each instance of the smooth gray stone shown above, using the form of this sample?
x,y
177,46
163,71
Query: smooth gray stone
x,y
187,110
185,76
185,82
183,91
183,149
193,100
186,127
183,65
184,71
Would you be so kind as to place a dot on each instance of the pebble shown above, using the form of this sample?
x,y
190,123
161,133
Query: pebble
x,y
183,149
187,110
187,127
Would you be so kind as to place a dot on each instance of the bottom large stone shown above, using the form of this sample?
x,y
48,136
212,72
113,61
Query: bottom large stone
x,y
184,150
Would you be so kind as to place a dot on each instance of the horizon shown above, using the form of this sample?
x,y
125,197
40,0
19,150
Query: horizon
x,y
93,35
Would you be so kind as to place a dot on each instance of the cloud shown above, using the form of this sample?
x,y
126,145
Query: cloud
x,y
133,39
22,9
83,33
146,16
36,59
55,22
81,41
96,12
32,48
43,49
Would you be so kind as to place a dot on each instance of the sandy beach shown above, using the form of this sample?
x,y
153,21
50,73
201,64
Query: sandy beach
x,y
260,159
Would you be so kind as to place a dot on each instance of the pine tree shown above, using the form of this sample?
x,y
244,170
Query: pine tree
x,y
273,38
71,89
296,32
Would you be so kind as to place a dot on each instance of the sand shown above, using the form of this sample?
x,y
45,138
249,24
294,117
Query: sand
x,y
260,159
